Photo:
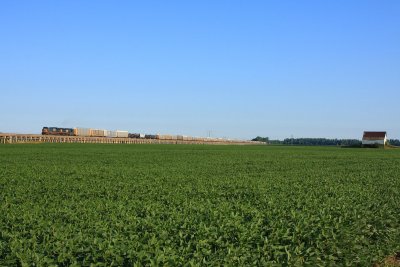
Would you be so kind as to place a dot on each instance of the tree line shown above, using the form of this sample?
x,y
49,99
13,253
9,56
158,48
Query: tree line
x,y
318,141
394,142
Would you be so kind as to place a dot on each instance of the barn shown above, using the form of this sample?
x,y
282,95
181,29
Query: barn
x,y
374,138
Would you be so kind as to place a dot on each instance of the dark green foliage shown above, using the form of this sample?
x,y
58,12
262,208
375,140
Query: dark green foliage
x,y
394,142
316,142
261,139
174,205
321,142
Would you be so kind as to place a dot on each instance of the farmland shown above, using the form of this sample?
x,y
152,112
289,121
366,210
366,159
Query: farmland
x,y
77,204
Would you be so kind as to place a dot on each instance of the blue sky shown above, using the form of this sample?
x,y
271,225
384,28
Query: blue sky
x,y
236,68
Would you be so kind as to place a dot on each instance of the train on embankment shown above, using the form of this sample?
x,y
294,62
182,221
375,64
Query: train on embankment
x,y
90,132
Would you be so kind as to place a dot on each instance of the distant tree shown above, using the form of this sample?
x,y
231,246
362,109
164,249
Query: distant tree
x,y
261,139
394,142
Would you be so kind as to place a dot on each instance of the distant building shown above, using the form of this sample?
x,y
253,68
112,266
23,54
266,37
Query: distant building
x,y
374,138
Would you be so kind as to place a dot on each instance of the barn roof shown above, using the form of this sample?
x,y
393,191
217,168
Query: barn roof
x,y
374,135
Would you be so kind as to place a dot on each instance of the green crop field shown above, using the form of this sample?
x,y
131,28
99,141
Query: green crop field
x,y
174,205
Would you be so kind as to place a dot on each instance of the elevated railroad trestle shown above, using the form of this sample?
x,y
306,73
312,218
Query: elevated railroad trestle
x,y
35,138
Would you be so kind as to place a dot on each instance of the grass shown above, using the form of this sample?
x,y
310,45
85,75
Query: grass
x,y
77,204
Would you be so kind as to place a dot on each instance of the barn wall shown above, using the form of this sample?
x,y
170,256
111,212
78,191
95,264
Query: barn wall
x,y
372,142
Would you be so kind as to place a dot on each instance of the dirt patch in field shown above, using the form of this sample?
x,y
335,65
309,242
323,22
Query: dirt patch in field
x,y
391,261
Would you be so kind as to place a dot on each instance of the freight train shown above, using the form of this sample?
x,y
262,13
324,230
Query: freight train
x,y
89,132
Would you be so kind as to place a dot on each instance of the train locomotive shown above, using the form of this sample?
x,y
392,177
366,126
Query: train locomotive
x,y
58,131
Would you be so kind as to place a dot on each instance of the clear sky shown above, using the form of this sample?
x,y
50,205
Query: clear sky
x,y
236,68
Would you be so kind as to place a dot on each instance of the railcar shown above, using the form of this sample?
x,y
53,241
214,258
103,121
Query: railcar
x,y
150,136
136,135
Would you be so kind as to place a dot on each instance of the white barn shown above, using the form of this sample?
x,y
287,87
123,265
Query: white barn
x,y
374,138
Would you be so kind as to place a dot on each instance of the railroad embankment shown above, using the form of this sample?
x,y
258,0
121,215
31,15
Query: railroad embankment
x,y
36,138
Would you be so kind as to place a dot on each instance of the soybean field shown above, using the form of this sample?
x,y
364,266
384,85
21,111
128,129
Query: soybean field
x,y
197,205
